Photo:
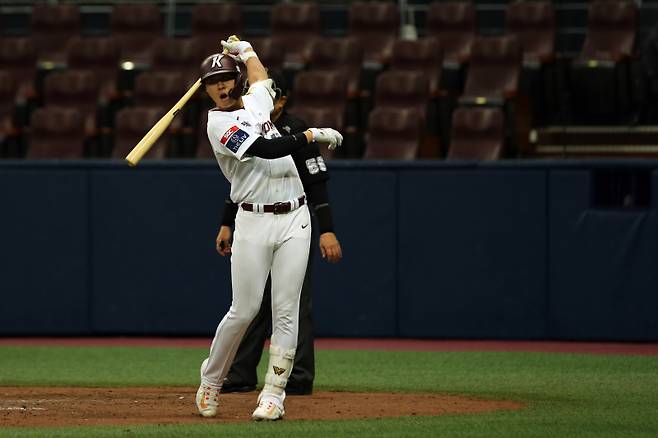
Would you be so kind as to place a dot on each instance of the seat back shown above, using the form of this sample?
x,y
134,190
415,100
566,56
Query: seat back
x,y
495,68
130,126
7,96
393,134
270,53
376,25
424,55
477,134
56,132
403,89
533,23
320,90
339,54
212,22
52,27
136,27
18,57
159,89
178,55
74,89
454,24
611,30
295,26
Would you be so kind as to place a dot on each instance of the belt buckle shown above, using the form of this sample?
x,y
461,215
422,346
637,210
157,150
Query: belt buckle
x,y
280,206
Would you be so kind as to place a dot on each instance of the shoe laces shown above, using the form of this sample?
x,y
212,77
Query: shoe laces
x,y
208,392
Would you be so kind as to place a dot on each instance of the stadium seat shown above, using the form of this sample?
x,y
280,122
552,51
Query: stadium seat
x,y
477,134
403,89
453,23
56,133
295,27
339,54
600,75
269,52
8,129
423,55
393,134
533,24
18,58
130,126
212,22
79,89
376,25
52,26
494,70
325,90
183,55
100,54
136,27
159,89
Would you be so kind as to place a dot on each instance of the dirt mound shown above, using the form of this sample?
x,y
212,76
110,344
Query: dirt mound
x,y
168,405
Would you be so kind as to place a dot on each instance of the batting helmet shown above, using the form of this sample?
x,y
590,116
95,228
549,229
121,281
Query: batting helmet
x,y
219,63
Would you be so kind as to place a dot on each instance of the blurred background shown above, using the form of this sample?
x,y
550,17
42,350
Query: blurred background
x,y
497,178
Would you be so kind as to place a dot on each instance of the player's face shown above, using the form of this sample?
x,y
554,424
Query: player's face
x,y
218,88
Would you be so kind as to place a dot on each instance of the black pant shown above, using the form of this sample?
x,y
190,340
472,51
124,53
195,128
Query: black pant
x,y
243,369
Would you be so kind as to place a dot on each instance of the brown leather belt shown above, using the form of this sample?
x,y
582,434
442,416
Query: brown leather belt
x,y
276,208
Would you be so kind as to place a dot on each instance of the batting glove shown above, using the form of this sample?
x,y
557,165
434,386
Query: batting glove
x,y
327,135
241,49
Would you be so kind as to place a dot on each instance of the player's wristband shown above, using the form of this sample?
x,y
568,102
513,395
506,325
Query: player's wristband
x,y
230,210
323,213
244,56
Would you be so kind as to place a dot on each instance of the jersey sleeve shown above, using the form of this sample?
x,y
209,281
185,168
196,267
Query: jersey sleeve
x,y
228,137
258,97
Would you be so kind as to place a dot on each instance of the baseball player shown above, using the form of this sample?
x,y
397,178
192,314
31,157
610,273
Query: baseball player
x,y
272,232
312,170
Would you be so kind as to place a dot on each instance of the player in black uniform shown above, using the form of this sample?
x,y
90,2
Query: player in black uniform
x,y
313,172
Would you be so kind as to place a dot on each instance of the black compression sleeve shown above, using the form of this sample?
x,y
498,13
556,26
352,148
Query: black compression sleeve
x,y
230,210
277,147
319,199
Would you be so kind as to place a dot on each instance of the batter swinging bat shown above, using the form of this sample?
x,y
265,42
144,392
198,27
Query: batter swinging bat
x,y
156,131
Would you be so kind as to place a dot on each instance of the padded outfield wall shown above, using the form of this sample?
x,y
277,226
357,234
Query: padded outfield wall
x,y
512,249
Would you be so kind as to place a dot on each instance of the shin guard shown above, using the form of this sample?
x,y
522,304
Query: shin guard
x,y
278,370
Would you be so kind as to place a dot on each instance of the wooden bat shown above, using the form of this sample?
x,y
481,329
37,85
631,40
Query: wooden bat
x,y
156,131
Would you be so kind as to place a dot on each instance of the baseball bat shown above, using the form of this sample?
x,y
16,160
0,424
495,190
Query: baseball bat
x,y
156,131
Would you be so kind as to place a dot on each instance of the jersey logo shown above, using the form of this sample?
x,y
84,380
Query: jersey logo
x,y
312,166
233,138
278,371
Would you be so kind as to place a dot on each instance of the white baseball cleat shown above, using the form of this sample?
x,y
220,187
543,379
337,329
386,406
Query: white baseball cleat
x,y
268,409
207,400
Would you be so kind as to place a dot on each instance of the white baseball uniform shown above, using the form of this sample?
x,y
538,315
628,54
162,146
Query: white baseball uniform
x,y
262,242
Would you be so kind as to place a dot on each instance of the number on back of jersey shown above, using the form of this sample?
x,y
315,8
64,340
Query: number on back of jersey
x,y
315,165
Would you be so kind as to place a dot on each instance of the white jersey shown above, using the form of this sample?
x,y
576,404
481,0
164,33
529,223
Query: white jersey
x,y
254,180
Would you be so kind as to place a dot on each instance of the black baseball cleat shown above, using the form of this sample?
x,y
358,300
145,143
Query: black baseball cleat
x,y
229,387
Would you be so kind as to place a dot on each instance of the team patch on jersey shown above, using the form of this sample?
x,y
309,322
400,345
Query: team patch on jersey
x,y
233,138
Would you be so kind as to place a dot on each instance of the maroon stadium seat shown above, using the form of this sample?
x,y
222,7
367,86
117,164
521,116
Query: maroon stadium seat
x,y
453,23
52,26
130,126
212,22
533,23
100,54
477,134
494,70
56,133
136,27
339,54
295,26
423,55
376,25
393,134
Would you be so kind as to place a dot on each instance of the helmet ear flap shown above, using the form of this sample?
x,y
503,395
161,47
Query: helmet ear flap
x,y
240,81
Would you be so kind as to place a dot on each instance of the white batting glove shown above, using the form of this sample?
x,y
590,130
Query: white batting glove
x,y
241,49
327,135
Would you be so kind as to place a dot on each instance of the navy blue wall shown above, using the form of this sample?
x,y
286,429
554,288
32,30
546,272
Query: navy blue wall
x,y
493,250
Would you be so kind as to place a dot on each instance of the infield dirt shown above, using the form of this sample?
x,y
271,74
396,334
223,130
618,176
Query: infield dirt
x,y
60,406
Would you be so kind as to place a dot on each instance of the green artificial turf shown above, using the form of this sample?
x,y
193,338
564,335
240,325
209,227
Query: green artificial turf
x,y
567,395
